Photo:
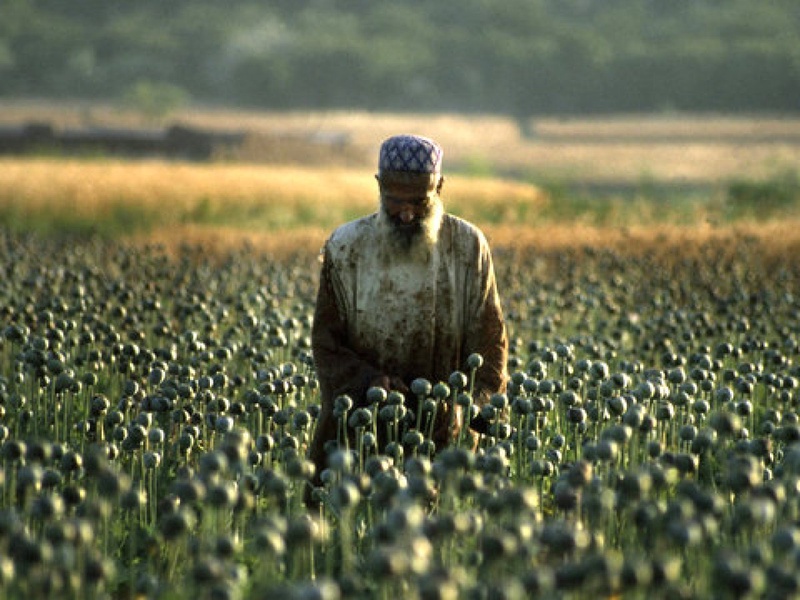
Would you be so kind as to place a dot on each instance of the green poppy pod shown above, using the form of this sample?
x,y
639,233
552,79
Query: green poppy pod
x,y
395,451
441,391
343,403
542,468
175,525
687,433
345,495
580,474
725,423
488,412
185,441
341,461
475,361
499,401
156,377
151,460
221,495
458,380
464,399
522,406
501,431
607,450
569,398
395,398
47,507
213,463
428,447
421,387
64,383
389,413
617,405
376,395
71,461
298,468
156,436
457,458
665,411
645,390
633,486
418,466
51,479
576,415
654,449
360,418
133,500
224,424
546,386
413,439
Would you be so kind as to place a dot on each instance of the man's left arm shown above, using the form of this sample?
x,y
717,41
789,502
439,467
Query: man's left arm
x,y
486,332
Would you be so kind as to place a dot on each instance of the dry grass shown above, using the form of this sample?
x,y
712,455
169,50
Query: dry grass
x,y
313,201
695,149
665,244
251,197
688,162
283,206
685,126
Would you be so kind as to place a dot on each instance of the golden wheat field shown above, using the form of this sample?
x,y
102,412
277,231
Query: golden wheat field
x,y
677,148
283,209
288,186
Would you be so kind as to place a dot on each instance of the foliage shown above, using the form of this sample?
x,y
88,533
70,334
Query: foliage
x,y
155,411
98,197
113,197
155,100
764,199
519,57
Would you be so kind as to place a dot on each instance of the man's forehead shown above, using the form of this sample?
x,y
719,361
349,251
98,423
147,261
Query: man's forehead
x,y
401,183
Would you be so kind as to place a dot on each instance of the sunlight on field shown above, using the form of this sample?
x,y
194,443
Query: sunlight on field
x,y
689,163
665,244
251,197
290,187
674,148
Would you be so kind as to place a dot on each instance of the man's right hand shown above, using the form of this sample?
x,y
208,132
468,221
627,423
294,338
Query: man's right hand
x,y
390,383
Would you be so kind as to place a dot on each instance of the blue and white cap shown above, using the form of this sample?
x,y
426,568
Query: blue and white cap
x,y
410,154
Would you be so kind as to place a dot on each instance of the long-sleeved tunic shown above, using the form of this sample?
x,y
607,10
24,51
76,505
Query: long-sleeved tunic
x,y
381,314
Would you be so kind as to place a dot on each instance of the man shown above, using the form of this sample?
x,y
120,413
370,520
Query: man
x,y
407,292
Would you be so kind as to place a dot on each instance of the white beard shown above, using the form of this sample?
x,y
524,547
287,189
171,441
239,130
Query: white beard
x,y
416,248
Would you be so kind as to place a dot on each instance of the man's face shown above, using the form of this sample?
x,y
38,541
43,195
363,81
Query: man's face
x,y
408,206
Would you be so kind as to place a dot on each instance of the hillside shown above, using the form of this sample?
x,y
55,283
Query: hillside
x,y
516,57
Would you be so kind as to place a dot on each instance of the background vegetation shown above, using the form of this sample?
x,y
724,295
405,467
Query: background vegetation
x,y
518,57
155,412
155,407
283,209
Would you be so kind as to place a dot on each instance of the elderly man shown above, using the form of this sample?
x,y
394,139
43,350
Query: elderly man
x,y
407,292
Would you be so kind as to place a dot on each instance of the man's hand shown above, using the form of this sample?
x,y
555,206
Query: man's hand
x,y
390,383
449,428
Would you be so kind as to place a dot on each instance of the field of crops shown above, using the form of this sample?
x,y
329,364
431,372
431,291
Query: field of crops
x,y
157,391
155,411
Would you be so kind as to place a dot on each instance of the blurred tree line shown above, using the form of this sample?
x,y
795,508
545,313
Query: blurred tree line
x,y
518,57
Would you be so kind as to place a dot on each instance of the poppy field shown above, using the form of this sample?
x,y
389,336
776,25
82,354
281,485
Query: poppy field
x,y
155,409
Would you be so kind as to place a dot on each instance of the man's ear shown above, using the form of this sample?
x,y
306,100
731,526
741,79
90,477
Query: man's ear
x,y
440,185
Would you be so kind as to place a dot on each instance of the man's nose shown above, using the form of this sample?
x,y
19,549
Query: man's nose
x,y
406,214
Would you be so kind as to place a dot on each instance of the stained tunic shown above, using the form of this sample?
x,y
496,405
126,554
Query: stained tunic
x,y
382,314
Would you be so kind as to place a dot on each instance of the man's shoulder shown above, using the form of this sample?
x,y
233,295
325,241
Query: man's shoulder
x,y
461,229
353,231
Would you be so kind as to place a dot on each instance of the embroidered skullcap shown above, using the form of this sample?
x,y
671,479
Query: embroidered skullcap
x,y
410,154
